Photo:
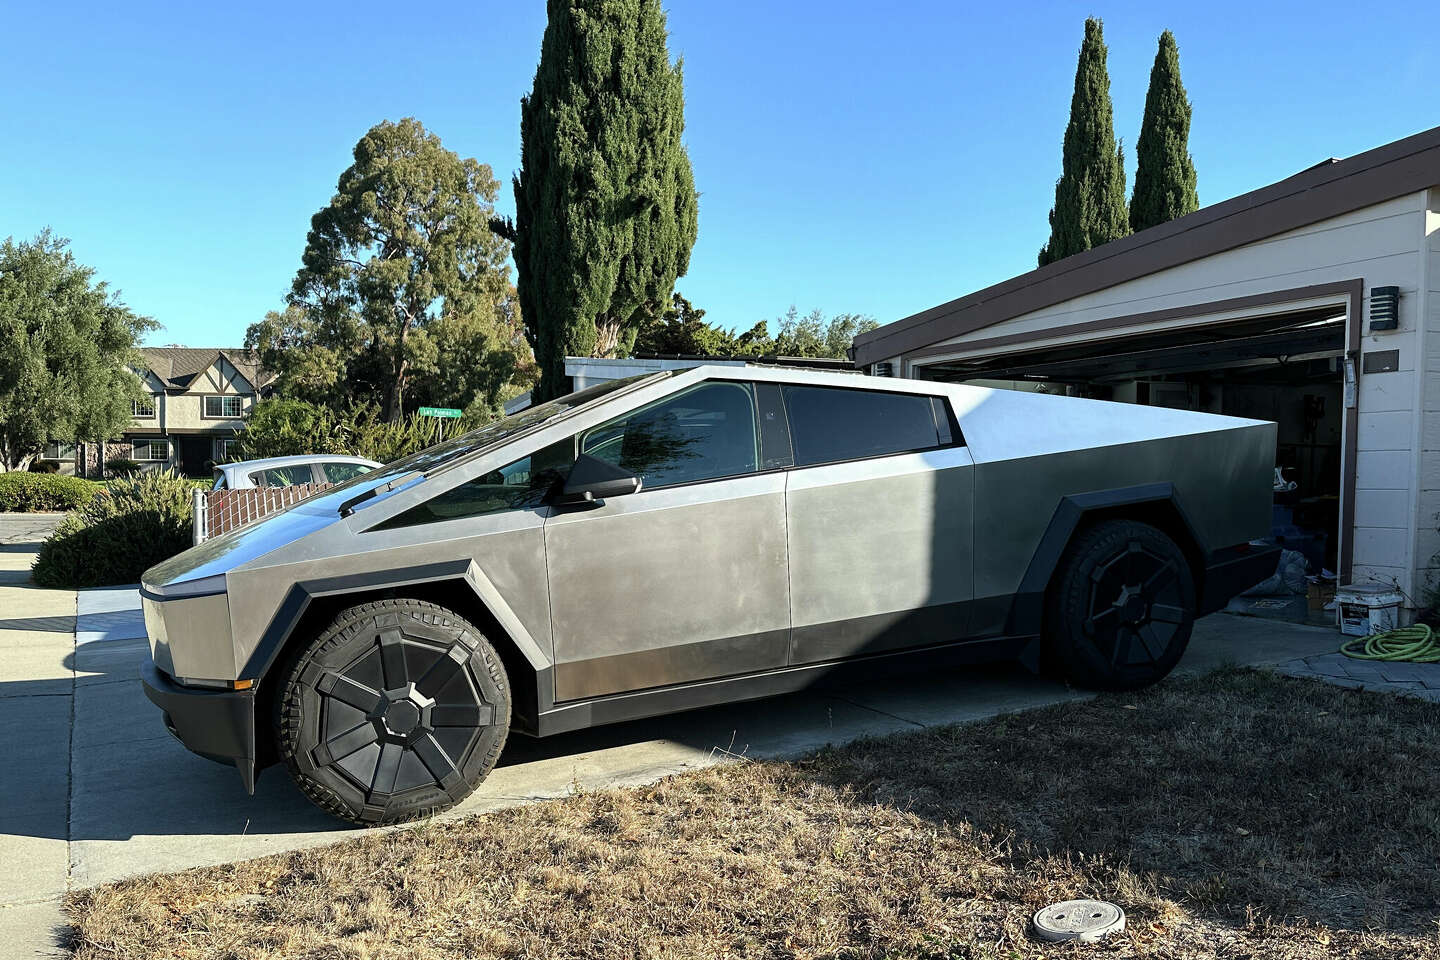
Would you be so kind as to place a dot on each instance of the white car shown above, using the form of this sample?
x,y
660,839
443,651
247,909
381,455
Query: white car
x,y
288,471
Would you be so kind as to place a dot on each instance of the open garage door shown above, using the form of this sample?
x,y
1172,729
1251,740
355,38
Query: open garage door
x,y
1289,368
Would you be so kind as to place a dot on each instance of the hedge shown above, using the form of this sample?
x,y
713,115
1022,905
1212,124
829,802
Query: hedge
x,y
135,523
24,492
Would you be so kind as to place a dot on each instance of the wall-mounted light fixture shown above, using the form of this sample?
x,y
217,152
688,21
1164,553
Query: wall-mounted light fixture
x,y
1384,308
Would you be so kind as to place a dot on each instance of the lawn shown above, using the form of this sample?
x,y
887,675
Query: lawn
x,y
1235,815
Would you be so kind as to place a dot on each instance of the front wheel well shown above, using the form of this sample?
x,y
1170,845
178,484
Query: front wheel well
x,y
455,595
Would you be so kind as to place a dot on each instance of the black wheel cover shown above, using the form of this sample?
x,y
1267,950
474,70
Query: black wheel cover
x,y
399,709
1137,606
1120,611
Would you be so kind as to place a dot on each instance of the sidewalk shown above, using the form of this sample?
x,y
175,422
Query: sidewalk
x,y
37,683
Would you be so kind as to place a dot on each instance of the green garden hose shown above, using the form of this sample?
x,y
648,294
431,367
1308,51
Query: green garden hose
x,y
1417,644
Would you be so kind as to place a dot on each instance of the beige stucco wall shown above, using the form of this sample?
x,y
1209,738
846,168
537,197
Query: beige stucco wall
x,y
185,411
1398,458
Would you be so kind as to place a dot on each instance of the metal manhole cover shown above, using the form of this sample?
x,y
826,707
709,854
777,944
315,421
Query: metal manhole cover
x,y
1084,920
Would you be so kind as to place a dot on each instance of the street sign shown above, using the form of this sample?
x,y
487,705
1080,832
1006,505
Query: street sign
x,y
447,412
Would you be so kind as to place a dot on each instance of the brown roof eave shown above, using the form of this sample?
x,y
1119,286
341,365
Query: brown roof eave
x,y
1325,191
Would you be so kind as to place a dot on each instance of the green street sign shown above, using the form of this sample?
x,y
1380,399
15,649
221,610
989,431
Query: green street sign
x,y
449,412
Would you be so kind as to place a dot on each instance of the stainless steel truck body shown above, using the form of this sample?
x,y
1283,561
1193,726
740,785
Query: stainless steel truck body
x,y
691,538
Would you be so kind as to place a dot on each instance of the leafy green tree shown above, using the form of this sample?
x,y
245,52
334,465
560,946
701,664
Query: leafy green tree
x,y
473,359
1090,194
605,198
1165,172
682,329
755,342
67,351
405,240
801,336
814,336
281,427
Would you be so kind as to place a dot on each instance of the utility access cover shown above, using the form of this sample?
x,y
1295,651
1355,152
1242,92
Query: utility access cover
x,y
1086,921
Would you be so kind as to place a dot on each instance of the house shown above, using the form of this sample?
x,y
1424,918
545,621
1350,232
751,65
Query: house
x,y
198,397
1313,302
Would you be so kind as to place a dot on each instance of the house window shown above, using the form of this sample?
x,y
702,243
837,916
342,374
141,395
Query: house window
x,y
143,409
59,451
146,451
222,449
222,408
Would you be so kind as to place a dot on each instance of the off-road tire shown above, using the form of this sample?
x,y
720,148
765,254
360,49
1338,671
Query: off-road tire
x,y
1121,607
399,709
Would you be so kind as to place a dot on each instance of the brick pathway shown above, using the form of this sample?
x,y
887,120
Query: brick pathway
x,y
1406,679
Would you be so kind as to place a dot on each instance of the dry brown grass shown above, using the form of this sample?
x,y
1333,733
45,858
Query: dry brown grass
x,y
1236,815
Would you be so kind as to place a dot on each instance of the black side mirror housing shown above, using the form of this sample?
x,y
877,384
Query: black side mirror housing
x,y
592,480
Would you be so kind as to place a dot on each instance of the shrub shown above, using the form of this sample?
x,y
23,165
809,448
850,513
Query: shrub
x,y
121,466
23,492
133,524
45,466
282,428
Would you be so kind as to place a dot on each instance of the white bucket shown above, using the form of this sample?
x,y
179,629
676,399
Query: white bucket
x,y
1368,608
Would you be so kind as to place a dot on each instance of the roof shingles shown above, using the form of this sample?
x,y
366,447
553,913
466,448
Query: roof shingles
x,y
177,367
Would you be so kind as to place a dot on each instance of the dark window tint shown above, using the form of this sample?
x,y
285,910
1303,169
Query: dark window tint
x,y
283,476
705,433
831,423
514,486
340,472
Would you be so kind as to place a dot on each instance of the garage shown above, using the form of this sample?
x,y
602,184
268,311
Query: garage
x,y
1313,302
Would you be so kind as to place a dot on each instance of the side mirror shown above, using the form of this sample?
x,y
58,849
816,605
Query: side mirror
x,y
592,479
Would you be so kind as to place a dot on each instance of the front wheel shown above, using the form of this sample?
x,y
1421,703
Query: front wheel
x,y
1120,612
398,709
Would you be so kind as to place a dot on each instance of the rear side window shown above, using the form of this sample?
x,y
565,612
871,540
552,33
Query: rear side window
x,y
283,476
340,472
830,424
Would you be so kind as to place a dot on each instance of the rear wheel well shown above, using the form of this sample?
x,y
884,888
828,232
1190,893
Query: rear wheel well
x,y
1165,516
455,595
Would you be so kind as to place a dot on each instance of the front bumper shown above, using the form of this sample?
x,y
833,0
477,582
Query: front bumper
x,y
1233,571
216,724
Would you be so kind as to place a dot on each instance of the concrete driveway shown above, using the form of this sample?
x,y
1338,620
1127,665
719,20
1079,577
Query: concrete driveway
x,y
96,790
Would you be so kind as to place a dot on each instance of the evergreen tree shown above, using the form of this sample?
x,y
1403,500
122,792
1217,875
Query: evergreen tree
x,y
1165,174
1090,194
605,198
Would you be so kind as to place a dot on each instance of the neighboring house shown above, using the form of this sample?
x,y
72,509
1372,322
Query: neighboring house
x,y
198,397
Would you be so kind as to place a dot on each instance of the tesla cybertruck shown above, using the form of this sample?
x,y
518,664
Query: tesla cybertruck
x,y
683,539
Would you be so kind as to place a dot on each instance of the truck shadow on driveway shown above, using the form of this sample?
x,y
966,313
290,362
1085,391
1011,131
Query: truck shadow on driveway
x,y
128,780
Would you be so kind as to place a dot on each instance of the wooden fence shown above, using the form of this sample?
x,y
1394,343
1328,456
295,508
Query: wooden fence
x,y
220,511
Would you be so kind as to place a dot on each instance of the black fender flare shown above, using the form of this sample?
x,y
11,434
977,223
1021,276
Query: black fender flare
x,y
1027,612
303,593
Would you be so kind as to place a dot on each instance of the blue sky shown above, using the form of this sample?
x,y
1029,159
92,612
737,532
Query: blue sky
x,y
854,157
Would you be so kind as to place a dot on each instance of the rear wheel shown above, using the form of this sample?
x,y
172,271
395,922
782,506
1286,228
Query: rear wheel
x,y
398,709
1120,613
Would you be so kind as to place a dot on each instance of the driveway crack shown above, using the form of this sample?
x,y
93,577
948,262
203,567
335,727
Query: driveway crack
x,y
883,713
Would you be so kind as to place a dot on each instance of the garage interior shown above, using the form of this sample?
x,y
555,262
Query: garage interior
x,y
1289,368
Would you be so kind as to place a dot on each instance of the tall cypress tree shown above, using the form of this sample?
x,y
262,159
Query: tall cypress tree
x,y
1165,174
605,199
1090,194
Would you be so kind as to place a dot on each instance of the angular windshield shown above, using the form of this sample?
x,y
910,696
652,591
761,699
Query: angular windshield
x,y
456,450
